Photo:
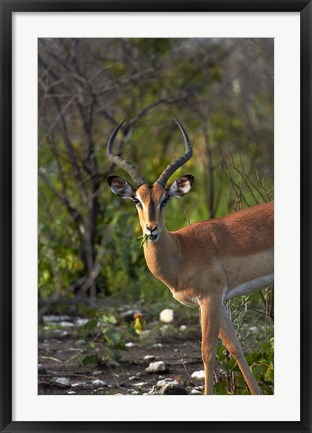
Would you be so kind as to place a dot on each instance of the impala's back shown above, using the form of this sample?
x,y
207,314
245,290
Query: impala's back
x,y
238,247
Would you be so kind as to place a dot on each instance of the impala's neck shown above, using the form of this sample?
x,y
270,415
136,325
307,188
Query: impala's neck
x,y
161,257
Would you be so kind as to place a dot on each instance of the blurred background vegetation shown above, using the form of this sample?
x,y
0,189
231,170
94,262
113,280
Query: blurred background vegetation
x,y
221,90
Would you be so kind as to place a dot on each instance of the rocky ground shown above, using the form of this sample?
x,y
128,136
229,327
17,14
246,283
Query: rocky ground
x,y
164,359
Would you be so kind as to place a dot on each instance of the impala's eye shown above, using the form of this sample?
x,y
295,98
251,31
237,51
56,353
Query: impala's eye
x,y
137,203
164,202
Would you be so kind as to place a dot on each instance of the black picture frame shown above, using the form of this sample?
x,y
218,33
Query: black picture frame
x,y
8,7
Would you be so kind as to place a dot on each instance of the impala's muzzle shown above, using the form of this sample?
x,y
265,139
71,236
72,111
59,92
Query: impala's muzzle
x,y
153,233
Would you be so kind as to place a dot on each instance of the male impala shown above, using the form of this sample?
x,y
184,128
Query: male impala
x,y
205,263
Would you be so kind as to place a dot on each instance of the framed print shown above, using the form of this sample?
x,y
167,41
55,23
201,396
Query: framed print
x,y
110,111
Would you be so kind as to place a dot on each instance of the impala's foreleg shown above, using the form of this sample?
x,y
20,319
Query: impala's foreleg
x,y
210,312
232,344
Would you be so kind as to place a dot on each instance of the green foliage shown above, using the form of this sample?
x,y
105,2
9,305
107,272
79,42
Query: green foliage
x,y
104,330
261,363
143,239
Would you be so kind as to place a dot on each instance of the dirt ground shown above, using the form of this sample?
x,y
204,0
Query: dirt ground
x,y
71,365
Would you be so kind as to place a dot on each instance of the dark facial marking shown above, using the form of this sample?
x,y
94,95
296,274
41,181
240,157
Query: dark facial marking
x,y
151,210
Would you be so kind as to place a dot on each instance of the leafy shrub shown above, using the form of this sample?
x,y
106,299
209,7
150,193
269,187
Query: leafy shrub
x,y
261,362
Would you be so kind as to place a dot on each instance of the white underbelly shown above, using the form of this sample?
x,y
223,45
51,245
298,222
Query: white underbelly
x,y
250,286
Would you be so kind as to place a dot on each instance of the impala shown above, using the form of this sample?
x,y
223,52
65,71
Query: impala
x,y
205,263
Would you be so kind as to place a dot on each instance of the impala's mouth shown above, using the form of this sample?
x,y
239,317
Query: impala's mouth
x,y
153,237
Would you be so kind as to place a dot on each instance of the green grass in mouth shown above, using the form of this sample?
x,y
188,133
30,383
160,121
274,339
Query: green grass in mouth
x,y
143,239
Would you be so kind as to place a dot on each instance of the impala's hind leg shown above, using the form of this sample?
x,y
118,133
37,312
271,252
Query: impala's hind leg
x,y
232,344
210,313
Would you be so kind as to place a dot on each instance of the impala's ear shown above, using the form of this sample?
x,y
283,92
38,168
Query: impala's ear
x,y
121,187
180,186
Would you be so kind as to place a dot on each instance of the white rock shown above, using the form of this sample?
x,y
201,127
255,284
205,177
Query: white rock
x,y
65,324
165,382
140,384
155,367
81,386
97,383
196,391
63,382
166,315
81,322
198,375
149,358
129,345
182,328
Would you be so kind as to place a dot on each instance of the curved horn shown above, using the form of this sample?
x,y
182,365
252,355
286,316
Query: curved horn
x,y
123,163
163,178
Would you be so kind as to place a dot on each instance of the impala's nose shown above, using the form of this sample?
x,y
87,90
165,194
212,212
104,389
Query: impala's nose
x,y
151,229
152,232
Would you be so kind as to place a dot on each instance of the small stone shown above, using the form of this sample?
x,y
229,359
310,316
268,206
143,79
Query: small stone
x,y
41,369
198,375
173,389
65,324
98,383
140,384
149,358
165,382
169,386
166,315
71,392
135,393
80,322
81,386
59,333
196,391
182,328
62,382
156,367
130,344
